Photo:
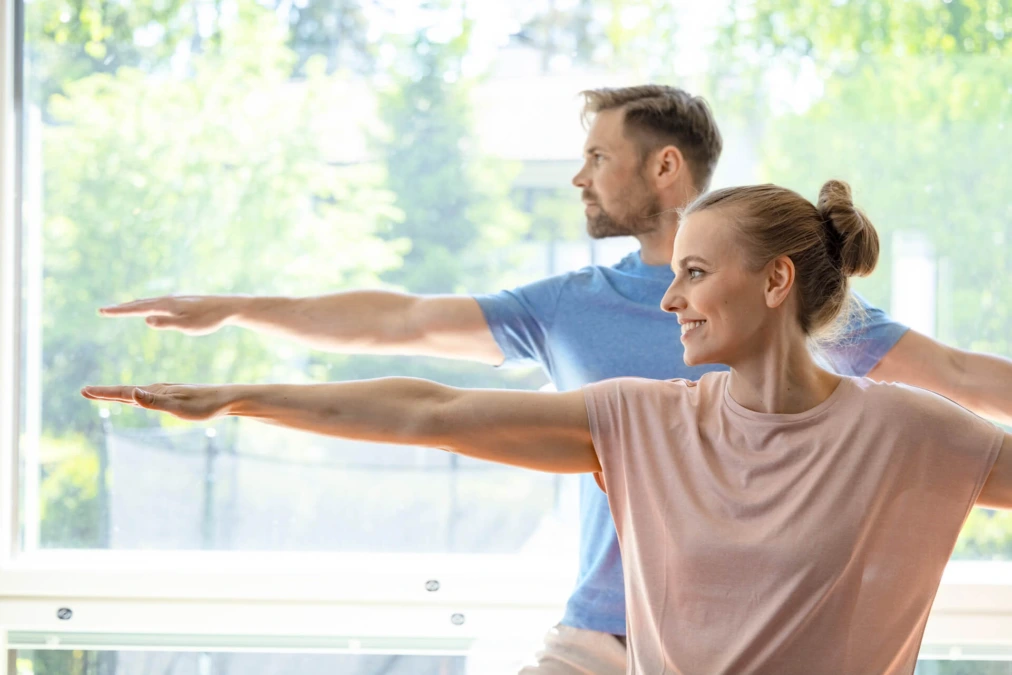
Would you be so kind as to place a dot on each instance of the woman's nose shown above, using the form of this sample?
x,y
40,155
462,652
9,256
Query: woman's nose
x,y
673,301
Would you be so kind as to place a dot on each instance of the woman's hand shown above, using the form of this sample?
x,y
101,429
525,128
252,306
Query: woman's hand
x,y
195,402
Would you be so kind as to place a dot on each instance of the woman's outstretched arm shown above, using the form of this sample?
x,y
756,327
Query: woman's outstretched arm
x,y
536,430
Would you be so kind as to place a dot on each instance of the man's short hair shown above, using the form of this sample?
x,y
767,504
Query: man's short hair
x,y
657,115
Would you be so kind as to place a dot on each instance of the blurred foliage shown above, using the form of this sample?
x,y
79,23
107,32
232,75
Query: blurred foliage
x,y
456,204
987,535
214,183
70,505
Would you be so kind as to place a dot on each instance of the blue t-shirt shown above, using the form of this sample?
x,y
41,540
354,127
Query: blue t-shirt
x,y
603,322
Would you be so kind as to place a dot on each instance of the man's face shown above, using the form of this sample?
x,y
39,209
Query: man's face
x,y
619,199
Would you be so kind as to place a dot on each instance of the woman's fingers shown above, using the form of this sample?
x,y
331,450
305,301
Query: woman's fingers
x,y
189,402
129,394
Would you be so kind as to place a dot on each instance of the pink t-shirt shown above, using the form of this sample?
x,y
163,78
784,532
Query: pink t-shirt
x,y
781,544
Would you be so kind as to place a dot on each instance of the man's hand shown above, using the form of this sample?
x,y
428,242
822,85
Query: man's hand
x,y
194,402
189,314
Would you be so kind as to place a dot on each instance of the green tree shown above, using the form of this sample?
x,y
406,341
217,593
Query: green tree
x,y
337,30
66,40
459,217
456,205
70,510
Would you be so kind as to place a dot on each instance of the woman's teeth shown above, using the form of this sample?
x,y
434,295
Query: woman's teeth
x,y
691,325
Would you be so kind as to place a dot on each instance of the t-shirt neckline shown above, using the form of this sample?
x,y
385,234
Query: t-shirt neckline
x,y
785,418
634,263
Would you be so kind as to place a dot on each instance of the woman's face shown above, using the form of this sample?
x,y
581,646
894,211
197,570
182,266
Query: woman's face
x,y
720,304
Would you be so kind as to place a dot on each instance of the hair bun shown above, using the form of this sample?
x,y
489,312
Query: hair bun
x,y
858,240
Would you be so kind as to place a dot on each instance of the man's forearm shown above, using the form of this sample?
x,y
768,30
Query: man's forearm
x,y
984,385
979,382
355,321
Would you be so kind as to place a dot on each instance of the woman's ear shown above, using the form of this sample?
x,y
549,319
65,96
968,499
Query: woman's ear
x,y
779,281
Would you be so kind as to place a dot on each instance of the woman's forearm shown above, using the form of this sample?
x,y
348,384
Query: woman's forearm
x,y
390,410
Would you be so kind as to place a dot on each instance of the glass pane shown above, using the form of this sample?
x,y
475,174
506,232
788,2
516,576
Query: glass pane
x,y
963,668
269,147
254,147
56,662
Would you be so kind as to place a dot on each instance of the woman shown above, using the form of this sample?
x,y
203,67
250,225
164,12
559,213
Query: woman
x,y
778,518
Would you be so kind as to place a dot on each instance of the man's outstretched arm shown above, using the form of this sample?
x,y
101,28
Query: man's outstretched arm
x,y
358,322
981,383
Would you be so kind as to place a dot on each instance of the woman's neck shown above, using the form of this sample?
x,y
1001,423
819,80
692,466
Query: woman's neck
x,y
783,379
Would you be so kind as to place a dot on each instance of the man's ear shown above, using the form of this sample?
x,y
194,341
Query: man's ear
x,y
668,166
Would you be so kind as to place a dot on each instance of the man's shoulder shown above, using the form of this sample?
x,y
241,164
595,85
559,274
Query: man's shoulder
x,y
563,279
583,280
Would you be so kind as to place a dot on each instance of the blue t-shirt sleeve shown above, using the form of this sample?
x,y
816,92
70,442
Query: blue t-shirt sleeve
x,y
869,335
521,318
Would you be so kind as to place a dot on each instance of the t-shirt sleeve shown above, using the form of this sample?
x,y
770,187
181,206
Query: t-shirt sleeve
x,y
520,319
961,447
868,336
626,422
604,410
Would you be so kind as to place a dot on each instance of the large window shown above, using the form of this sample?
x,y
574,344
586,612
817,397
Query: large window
x,y
291,147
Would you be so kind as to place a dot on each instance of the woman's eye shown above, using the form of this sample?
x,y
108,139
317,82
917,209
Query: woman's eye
x,y
695,272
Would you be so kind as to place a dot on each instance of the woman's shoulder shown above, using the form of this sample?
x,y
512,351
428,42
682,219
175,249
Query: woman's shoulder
x,y
898,401
693,392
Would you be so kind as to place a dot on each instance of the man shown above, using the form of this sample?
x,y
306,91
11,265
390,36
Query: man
x,y
650,150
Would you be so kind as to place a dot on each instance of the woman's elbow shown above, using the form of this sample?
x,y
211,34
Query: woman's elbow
x,y
433,418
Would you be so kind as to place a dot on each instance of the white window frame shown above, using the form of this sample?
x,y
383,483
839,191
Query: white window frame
x,y
277,602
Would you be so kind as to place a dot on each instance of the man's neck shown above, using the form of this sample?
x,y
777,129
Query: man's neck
x,y
657,246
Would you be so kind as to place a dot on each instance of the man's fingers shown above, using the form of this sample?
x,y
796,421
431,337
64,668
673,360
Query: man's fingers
x,y
144,307
109,393
162,402
143,398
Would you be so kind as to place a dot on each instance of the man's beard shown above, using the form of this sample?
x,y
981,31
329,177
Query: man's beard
x,y
642,220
